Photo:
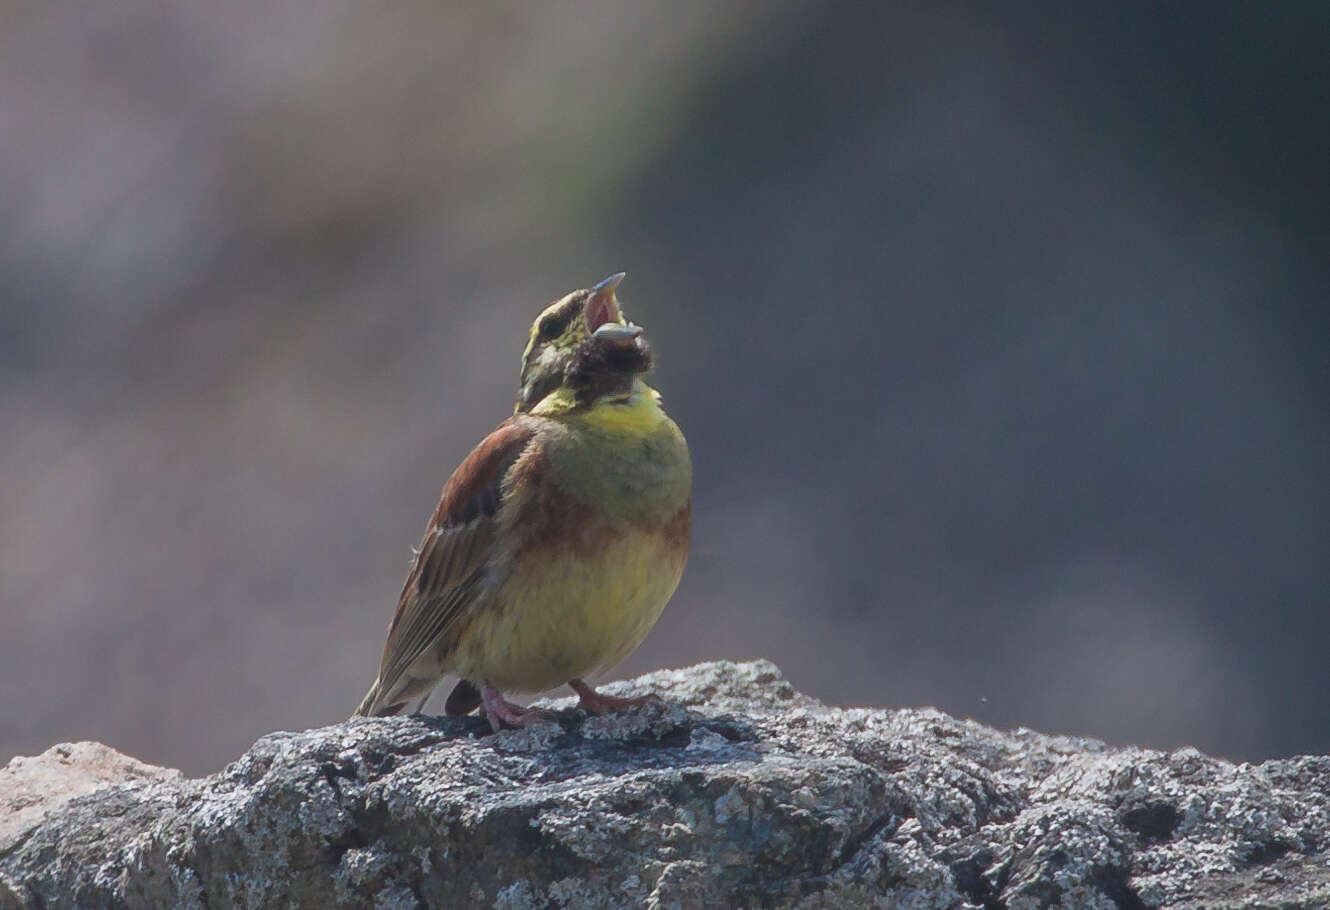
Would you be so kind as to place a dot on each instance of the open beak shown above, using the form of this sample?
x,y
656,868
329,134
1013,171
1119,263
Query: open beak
x,y
601,307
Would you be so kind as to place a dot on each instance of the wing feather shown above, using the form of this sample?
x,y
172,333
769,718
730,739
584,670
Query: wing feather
x,y
448,572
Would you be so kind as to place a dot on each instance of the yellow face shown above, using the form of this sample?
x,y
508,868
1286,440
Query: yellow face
x,y
566,333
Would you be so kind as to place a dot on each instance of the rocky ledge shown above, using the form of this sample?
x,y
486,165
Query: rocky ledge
x,y
733,791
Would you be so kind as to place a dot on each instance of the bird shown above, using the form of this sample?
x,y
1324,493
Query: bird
x,y
558,540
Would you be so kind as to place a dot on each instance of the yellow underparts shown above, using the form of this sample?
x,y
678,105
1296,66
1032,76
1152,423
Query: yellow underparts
x,y
565,612
640,416
571,616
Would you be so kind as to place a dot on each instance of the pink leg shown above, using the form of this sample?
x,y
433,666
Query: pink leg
x,y
500,711
592,702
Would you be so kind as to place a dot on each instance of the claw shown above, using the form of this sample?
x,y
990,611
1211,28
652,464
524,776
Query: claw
x,y
593,702
499,711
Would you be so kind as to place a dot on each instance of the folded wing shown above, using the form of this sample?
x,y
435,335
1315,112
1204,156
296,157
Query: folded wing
x,y
448,573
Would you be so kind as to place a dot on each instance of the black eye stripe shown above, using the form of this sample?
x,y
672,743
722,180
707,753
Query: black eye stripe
x,y
552,326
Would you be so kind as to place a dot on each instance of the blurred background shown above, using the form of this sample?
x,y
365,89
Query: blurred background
x,y
999,334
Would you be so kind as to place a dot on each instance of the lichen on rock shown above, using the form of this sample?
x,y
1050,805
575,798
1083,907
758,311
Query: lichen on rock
x,y
734,790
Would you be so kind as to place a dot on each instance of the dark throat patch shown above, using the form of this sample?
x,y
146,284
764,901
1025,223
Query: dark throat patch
x,y
603,370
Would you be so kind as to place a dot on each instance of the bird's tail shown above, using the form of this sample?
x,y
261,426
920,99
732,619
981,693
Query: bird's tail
x,y
367,701
403,697
366,708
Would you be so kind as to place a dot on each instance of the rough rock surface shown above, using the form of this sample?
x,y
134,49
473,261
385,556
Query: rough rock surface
x,y
735,790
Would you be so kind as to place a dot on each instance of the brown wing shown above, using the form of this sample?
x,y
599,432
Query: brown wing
x,y
448,570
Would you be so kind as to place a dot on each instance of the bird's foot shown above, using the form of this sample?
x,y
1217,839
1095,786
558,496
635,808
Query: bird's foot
x,y
499,711
593,702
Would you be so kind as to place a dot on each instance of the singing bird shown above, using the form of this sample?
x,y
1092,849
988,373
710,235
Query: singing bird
x,y
559,539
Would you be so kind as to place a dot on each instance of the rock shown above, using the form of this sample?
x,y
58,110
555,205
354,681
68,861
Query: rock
x,y
733,791
32,787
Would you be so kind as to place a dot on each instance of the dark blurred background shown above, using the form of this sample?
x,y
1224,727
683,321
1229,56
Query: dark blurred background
x,y
999,333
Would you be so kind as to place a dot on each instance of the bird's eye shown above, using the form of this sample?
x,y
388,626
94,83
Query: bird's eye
x,y
552,326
